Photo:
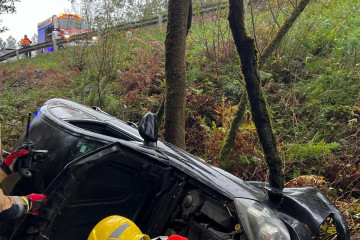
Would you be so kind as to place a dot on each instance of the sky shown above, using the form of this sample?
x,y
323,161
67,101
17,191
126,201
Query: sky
x,y
28,14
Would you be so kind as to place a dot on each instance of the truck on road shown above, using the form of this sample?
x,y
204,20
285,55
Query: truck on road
x,y
63,26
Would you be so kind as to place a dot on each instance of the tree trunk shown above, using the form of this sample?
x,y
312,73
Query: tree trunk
x,y
248,56
160,111
230,138
175,72
282,32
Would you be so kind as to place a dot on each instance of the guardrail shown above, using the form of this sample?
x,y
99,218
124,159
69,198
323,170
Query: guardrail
x,y
18,52
121,27
54,43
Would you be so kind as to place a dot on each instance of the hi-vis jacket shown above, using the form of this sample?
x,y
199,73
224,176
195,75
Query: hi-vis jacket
x,y
25,41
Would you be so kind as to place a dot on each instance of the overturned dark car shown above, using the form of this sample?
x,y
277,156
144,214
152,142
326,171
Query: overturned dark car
x,y
97,166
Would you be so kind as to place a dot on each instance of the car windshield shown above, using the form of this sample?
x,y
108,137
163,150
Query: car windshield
x,y
66,23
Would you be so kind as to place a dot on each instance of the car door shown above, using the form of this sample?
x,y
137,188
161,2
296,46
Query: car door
x,y
115,180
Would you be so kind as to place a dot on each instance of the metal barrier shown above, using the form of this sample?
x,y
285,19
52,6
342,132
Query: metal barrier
x,y
54,43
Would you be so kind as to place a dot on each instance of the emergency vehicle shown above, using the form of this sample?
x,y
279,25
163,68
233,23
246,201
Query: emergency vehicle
x,y
61,27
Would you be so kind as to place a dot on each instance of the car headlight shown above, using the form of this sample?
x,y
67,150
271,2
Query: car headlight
x,y
67,36
260,222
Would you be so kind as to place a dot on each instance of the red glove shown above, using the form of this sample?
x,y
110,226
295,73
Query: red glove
x,y
13,157
35,202
176,237
9,162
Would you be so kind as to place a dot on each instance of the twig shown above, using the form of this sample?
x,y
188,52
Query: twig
x,y
273,15
253,25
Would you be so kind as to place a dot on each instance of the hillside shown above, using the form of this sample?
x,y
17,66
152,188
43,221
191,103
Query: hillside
x,y
311,84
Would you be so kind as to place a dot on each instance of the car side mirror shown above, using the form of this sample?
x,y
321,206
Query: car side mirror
x,y
148,129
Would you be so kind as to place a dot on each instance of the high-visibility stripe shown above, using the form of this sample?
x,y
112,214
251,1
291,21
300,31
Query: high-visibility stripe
x,y
117,233
21,205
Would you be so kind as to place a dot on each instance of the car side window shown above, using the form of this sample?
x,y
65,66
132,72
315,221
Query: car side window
x,y
85,146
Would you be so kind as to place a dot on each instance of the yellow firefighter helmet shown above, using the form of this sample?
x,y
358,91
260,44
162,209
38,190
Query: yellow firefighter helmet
x,y
116,228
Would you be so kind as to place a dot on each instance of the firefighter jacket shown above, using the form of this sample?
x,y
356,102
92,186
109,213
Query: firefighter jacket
x,y
11,207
